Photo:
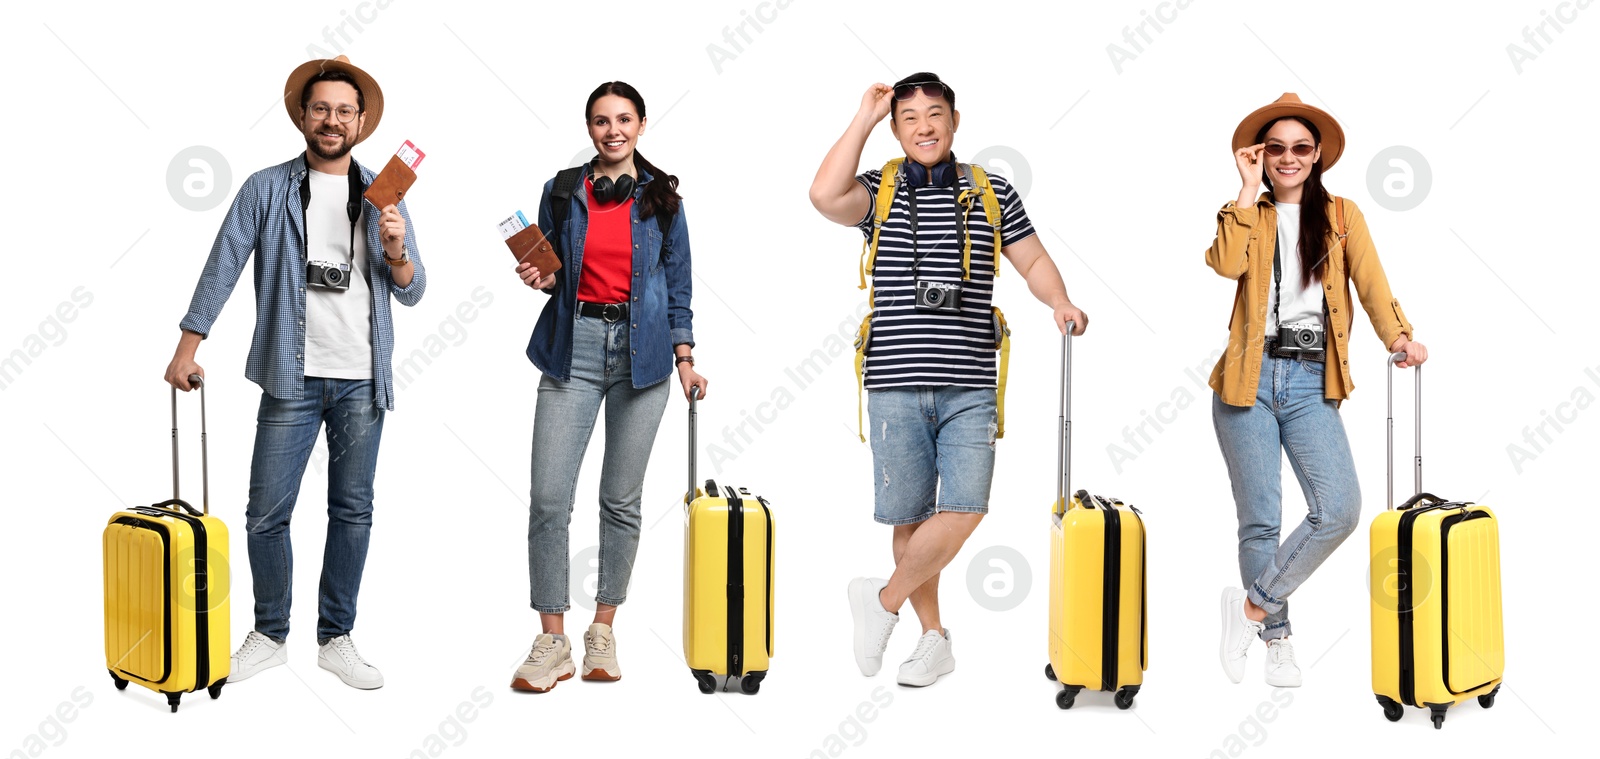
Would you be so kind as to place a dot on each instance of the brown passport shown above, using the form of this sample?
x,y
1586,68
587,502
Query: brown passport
x,y
391,184
531,246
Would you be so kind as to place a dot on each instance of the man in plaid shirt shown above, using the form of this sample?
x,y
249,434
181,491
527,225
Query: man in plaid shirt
x,y
327,263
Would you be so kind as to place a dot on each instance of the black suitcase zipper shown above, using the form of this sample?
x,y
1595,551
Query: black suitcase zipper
x,y
765,510
1403,549
1112,597
735,583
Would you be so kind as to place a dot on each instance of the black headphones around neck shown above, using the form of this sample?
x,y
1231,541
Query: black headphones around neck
x,y
943,174
606,190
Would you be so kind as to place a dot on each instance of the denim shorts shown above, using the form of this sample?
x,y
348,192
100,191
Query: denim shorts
x,y
932,450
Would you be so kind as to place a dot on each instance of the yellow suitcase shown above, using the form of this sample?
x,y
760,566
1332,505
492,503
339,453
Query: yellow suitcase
x,y
1099,636
727,580
1437,633
166,590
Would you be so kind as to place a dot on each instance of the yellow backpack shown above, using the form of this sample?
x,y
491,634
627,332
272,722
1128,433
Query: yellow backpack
x,y
979,190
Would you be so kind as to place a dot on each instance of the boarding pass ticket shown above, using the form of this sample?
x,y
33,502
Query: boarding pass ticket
x,y
409,155
513,225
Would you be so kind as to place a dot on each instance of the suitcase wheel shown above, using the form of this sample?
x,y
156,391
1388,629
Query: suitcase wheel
x,y
215,689
1487,700
123,684
708,684
1438,715
1392,710
751,682
1065,697
172,701
1050,673
1124,698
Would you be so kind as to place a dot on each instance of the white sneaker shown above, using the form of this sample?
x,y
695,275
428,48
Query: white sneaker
x,y
1238,632
600,654
548,662
873,623
931,659
340,657
257,653
1282,672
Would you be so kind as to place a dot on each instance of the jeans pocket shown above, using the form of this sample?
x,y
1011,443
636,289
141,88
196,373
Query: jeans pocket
x,y
1316,368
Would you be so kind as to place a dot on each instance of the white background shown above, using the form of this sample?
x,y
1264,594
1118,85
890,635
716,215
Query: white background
x,y
1125,172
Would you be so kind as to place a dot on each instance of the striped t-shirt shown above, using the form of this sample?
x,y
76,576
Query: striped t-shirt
x,y
909,346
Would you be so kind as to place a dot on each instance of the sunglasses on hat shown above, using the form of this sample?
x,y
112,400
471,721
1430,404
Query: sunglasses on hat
x,y
934,90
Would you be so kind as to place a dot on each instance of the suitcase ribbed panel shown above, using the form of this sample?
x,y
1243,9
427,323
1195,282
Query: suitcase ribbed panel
x,y
136,599
1476,646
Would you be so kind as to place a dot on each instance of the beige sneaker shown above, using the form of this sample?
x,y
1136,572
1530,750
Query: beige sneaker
x,y
549,662
600,654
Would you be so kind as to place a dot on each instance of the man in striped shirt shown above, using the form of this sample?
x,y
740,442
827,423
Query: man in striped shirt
x,y
321,354
930,373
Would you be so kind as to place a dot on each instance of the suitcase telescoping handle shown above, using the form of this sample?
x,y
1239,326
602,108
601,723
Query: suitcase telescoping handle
x,y
1393,357
1064,449
205,484
694,422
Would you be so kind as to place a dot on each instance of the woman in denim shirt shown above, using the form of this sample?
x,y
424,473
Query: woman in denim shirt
x,y
617,322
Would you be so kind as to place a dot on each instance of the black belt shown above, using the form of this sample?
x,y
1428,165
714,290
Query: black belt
x,y
1273,350
611,312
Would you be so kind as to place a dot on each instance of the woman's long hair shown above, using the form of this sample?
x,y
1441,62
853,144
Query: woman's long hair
x,y
1314,222
662,192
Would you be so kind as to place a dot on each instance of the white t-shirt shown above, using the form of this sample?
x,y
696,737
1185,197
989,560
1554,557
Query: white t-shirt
x,y
1301,305
338,324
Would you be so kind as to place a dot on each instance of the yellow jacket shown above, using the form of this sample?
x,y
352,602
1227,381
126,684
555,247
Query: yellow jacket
x,y
1243,251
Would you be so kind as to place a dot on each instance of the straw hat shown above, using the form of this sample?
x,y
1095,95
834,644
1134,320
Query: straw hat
x,y
1290,105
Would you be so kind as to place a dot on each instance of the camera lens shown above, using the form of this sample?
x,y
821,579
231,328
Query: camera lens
x,y
934,296
332,276
1305,338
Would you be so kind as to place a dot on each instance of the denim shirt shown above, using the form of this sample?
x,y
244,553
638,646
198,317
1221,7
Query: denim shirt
x,y
266,219
659,316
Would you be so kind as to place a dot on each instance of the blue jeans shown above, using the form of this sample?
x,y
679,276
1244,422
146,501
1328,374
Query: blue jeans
x,y
1290,412
563,421
932,450
286,432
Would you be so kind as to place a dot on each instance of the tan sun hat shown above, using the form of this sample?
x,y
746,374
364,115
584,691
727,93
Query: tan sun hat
x,y
1290,105
371,94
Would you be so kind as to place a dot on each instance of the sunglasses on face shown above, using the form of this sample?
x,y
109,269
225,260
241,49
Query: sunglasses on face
x,y
934,90
1302,150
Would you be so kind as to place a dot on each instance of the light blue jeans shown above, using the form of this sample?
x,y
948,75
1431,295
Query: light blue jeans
x,y
564,419
1290,414
286,432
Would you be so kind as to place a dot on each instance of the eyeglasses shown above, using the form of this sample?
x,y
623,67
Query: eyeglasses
x,y
346,113
1302,150
934,90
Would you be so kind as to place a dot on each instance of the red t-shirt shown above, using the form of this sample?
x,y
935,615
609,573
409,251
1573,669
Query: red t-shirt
x,y
607,251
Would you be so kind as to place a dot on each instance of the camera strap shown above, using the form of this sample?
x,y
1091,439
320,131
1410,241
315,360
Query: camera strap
x,y
911,201
352,209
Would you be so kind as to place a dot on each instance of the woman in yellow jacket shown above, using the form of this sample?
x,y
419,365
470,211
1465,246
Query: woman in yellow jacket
x,y
1295,251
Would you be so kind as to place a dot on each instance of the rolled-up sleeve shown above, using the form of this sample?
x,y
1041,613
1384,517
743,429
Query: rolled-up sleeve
x,y
680,285
236,240
1229,254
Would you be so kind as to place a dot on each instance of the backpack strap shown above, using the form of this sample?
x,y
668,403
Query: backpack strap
x,y
1338,212
863,336
978,180
567,181
1003,336
880,214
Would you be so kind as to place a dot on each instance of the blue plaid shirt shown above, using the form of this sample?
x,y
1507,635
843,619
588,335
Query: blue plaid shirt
x,y
266,219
